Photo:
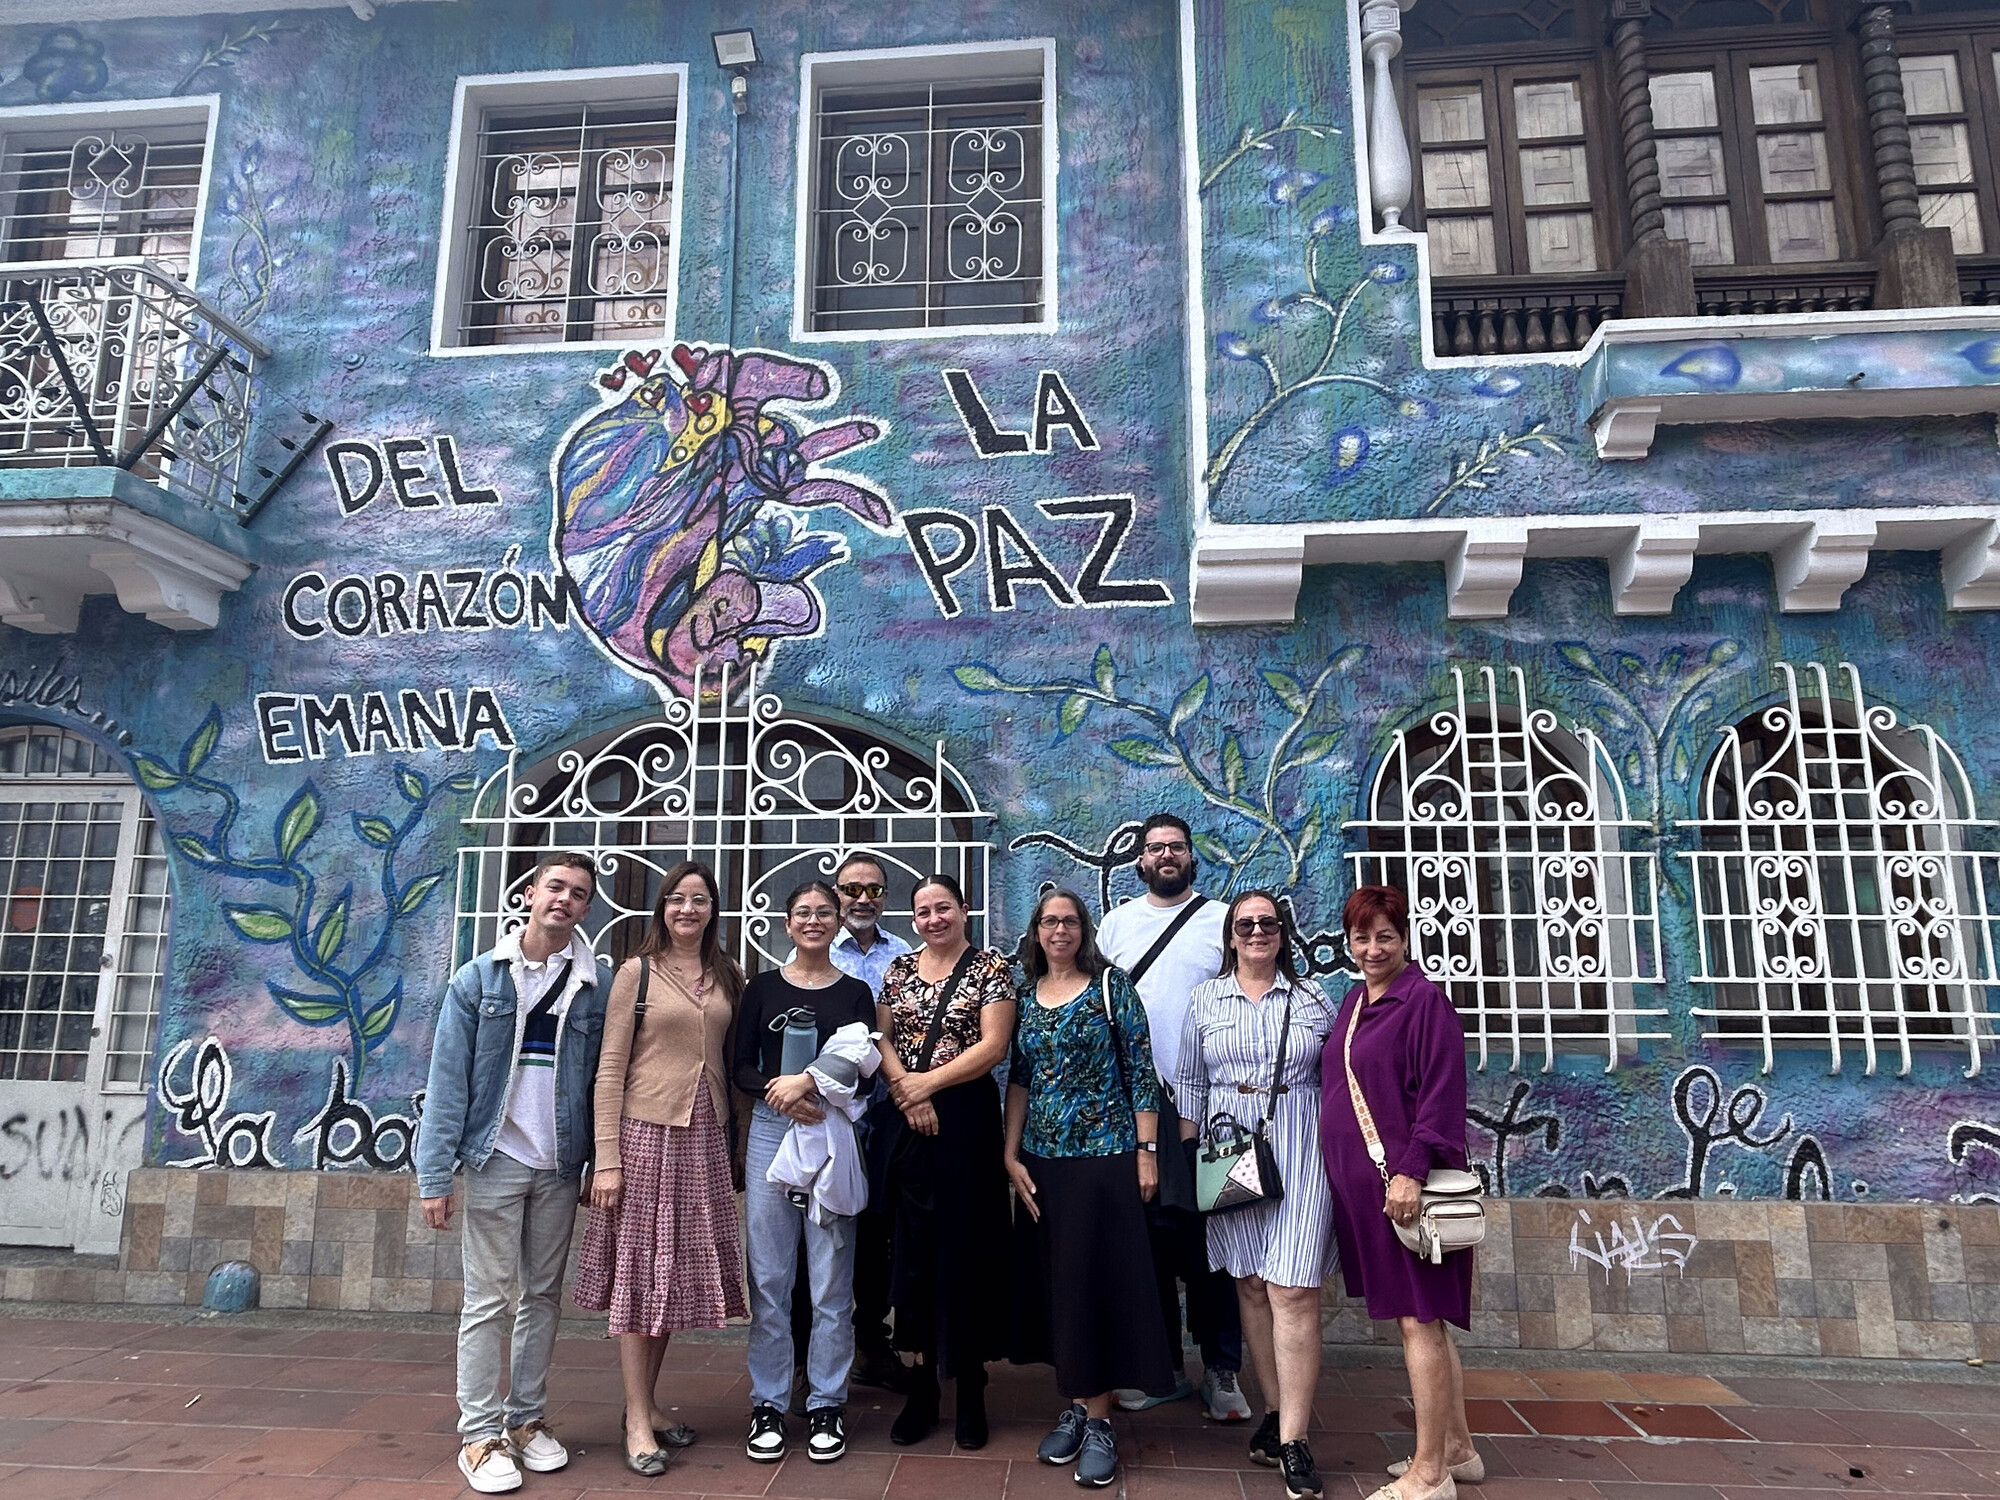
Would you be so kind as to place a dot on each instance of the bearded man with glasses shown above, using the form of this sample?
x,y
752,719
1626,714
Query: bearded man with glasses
x,y
1169,941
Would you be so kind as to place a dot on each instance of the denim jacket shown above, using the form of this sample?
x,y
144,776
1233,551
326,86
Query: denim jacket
x,y
477,1053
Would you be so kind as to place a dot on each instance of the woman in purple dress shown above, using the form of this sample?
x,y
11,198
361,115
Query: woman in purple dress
x,y
1409,1059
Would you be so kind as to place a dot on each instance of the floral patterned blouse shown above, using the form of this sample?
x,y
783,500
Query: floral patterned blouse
x,y
1082,1097
911,1001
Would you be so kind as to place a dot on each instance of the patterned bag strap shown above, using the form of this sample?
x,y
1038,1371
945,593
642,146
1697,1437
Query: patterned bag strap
x,y
1363,1117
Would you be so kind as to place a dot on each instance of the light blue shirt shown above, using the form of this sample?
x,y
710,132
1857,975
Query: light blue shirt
x,y
867,965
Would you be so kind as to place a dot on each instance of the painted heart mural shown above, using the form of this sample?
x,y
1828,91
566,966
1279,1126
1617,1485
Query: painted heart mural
x,y
679,507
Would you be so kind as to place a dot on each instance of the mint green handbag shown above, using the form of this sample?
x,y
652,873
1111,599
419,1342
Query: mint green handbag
x,y
1236,1167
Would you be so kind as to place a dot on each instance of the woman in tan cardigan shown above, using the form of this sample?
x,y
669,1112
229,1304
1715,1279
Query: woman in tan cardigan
x,y
662,1250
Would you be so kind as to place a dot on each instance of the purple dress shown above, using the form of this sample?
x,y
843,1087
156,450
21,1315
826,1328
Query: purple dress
x,y
1409,1054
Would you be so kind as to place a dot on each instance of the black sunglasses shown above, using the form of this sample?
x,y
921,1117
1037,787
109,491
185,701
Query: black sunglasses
x,y
1250,926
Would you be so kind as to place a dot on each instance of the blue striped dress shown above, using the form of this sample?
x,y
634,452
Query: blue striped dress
x,y
1229,1040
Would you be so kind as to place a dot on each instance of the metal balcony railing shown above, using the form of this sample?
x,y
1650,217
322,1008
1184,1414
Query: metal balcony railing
x,y
118,364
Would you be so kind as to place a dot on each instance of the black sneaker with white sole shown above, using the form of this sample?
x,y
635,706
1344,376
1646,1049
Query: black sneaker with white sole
x,y
1062,1445
827,1439
1264,1442
766,1443
1097,1462
1302,1481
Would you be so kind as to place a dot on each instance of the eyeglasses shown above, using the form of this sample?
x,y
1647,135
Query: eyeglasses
x,y
1251,926
692,903
1178,846
1057,924
813,914
854,890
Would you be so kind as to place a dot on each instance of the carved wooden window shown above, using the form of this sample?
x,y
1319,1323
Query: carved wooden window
x,y
102,193
1506,173
1751,172
1951,92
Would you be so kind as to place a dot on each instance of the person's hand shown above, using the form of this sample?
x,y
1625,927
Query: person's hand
x,y
909,1089
1149,1176
1405,1197
607,1186
923,1118
792,1096
437,1212
1024,1186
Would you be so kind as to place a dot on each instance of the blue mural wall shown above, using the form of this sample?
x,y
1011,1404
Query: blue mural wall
x,y
313,922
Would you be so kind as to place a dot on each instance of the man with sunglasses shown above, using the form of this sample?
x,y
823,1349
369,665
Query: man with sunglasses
x,y
864,949
1169,941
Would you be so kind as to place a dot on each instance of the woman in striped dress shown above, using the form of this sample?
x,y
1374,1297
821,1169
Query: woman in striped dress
x,y
1278,1252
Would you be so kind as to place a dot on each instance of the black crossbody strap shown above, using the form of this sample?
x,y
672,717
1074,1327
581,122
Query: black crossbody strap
x,y
553,993
945,996
1278,1072
639,1005
1160,944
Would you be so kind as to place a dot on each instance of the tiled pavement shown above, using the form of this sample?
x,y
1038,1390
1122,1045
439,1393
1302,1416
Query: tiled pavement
x,y
283,1407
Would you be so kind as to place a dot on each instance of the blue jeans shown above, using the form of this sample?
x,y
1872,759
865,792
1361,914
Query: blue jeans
x,y
774,1227
515,1228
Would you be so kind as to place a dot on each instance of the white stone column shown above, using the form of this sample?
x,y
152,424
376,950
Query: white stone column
x,y
1388,152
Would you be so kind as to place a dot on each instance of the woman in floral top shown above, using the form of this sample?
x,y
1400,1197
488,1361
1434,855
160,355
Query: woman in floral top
x,y
946,1186
1082,1111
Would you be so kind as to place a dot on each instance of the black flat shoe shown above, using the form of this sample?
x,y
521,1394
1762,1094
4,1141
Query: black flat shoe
x,y
969,1424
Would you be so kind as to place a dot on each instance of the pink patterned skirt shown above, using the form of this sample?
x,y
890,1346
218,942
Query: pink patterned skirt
x,y
669,1256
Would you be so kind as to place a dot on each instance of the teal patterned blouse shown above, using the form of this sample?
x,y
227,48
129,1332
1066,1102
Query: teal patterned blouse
x,y
1063,1058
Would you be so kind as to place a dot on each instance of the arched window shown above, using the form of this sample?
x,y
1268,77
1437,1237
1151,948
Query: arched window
x,y
1844,886
1508,832
765,798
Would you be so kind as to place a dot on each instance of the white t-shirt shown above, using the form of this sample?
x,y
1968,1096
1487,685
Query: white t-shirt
x,y
1129,931
528,1133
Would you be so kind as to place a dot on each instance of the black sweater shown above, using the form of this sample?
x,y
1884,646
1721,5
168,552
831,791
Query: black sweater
x,y
759,1049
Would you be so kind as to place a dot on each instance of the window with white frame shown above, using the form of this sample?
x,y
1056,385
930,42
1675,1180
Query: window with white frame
x,y
103,186
564,199
1844,885
928,191
1507,830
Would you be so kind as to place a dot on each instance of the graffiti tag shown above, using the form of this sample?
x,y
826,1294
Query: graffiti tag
x,y
201,1111
945,544
1652,1247
508,597
1055,410
347,1133
304,726
45,687
360,468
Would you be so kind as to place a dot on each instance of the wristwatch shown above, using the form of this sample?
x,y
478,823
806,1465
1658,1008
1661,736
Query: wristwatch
x,y
1153,1146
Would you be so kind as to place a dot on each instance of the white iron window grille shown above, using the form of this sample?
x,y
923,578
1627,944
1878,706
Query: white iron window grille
x,y
928,205
1845,887
78,852
1508,832
572,228
766,799
105,193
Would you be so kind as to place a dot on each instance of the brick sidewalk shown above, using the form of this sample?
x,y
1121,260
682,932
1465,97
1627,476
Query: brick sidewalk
x,y
188,1410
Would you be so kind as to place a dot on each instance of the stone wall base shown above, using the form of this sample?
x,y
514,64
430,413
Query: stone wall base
x,y
1874,1280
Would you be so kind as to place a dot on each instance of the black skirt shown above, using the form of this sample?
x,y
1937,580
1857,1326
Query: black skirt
x,y
1085,1297
949,1274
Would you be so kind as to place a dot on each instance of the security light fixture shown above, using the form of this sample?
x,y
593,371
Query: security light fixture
x,y
737,51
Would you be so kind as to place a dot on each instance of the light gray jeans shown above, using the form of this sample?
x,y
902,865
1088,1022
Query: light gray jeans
x,y
515,1228
775,1227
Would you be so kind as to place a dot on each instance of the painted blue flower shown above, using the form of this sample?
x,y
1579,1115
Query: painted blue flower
x,y
1498,384
1271,309
1232,346
1983,356
1289,187
1713,365
66,63
1325,222
1417,407
1350,451
1387,271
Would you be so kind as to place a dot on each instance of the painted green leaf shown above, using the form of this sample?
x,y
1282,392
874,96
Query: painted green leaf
x,y
1681,766
260,924
1349,659
1232,764
1189,703
1723,651
194,849
299,821
308,1010
1314,747
411,784
1286,687
1213,849
1310,831
378,1020
1070,717
462,783
417,892
154,775
201,744
976,678
1578,656
1104,670
1137,750
378,831
332,930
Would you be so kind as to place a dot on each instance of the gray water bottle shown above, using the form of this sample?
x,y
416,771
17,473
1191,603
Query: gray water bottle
x,y
801,1044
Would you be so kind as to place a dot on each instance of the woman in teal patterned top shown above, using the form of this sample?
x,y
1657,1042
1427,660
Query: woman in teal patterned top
x,y
1082,1102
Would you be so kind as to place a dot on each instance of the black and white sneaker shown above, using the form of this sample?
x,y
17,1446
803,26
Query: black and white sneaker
x,y
1302,1481
1264,1442
1097,1463
828,1438
1062,1445
766,1443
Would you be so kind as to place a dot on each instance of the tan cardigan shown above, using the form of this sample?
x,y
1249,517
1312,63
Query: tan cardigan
x,y
679,1047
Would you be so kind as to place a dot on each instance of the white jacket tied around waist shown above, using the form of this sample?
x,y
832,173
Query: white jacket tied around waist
x,y
824,1160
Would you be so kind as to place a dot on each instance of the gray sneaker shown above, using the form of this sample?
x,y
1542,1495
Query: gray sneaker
x,y
1097,1464
1060,1446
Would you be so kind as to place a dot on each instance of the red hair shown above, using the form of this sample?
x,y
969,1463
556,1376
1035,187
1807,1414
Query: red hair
x,y
1377,901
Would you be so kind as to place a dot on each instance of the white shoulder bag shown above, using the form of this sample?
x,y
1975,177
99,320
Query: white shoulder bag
x,y
1450,1215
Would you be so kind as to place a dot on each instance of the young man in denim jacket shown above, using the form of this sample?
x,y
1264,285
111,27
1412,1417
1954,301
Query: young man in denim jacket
x,y
512,1071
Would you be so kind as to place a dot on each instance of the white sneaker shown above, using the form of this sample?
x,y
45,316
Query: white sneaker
x,y
488,1466
536,1447
1223,1397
